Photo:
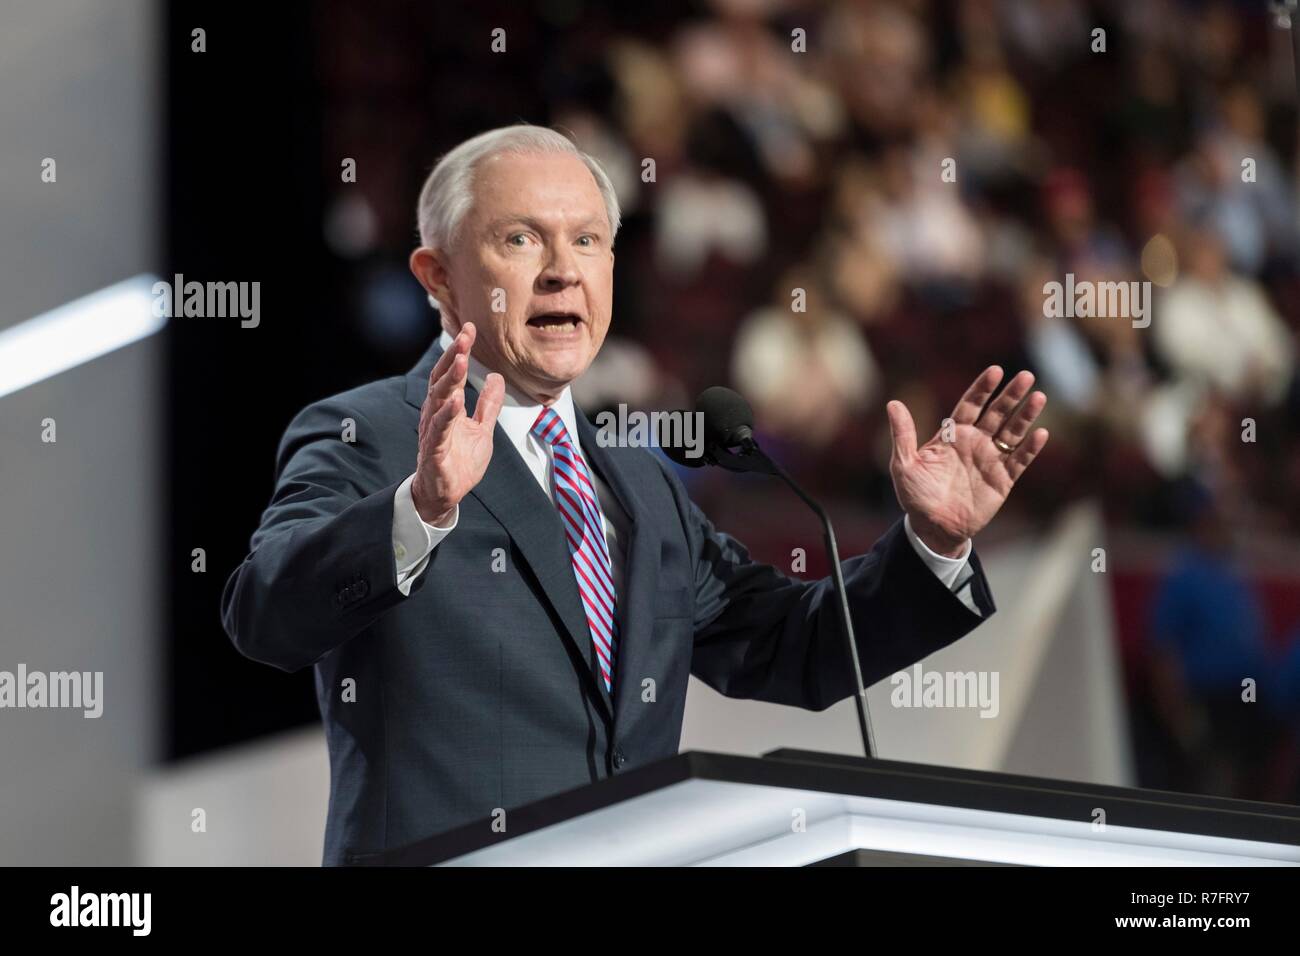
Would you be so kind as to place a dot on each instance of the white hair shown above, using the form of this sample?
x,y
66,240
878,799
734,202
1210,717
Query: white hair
x,y
448,192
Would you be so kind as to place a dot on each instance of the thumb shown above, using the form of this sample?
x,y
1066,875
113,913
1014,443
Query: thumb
x,y
902,431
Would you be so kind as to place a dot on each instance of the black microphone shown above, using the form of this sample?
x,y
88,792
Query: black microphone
x,y
676,451
729,424
728,419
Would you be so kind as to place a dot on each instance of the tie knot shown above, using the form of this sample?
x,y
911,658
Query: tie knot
x,y
549,428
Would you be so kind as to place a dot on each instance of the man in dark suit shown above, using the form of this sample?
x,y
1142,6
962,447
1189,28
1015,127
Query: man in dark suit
x,y
499,608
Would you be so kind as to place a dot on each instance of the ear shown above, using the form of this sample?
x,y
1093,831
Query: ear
x,y
430,270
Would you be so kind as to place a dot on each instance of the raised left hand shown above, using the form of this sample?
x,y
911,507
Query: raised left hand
x,y
952,489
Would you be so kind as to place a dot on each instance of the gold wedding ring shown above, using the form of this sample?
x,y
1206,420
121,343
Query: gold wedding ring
x,y
1003,446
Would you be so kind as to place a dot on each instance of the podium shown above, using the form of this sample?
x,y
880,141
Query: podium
x,y
802,808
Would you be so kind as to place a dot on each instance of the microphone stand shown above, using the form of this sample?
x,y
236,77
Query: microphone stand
x,y
1284,12
754,459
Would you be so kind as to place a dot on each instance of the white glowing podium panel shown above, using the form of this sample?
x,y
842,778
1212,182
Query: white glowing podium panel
x,y
799,808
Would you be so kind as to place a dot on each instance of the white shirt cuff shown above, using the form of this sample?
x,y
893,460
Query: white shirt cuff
x,y
414,538
953,572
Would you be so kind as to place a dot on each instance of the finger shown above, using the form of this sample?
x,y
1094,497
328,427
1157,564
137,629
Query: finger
x,y
1000,409
444,360
902,431
455,377
1024,456
490,400
460,345
1015,430
968,409
442,420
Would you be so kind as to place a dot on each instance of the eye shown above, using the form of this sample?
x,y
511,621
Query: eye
x,y
587,241
510,240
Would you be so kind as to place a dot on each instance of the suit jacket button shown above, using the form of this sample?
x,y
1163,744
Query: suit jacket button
x,y
619,757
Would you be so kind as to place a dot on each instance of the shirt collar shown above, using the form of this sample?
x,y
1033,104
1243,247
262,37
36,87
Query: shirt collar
x,y
518,410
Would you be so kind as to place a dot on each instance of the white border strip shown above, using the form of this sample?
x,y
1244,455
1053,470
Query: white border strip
x,y
715,823
77,332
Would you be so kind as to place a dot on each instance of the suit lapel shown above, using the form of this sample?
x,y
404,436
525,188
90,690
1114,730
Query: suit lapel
x,y
510,492
512,496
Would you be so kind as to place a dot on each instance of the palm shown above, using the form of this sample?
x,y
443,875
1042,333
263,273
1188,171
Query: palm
x,y
954,484
462,454
960,485
455,448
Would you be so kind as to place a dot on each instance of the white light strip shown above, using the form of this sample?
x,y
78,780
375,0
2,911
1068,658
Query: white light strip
x,y
827,838
1125,847
715,823
994,837
77,332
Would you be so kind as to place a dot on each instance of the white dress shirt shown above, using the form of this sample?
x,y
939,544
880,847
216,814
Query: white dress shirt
x,y
414,539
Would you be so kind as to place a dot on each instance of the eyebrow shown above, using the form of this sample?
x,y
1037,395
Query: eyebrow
x,y
496,224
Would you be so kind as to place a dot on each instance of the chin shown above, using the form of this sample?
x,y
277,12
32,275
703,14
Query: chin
x,y
563,363
565,375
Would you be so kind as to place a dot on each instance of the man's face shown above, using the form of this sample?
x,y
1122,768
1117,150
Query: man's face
x,y
532,267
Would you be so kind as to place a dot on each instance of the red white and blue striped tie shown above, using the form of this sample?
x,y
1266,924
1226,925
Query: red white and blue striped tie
x,y
575,497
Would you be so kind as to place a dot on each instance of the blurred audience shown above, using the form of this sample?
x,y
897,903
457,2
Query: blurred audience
x,y
802,365
1208,662
1218,328
922,171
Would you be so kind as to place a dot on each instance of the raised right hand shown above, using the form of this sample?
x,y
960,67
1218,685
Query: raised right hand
x,y
454,448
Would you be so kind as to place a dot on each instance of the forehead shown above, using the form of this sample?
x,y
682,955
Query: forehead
x,y
548,187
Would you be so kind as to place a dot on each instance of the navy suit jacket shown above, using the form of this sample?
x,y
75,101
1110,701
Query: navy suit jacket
x,y
480,689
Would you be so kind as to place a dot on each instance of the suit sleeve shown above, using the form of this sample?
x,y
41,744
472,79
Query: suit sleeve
x,y
764,635
321,567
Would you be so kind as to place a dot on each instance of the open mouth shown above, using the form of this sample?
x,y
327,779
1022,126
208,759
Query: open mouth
x,y
555,321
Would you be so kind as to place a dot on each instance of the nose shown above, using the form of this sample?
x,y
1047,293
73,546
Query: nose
x,y
560,271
